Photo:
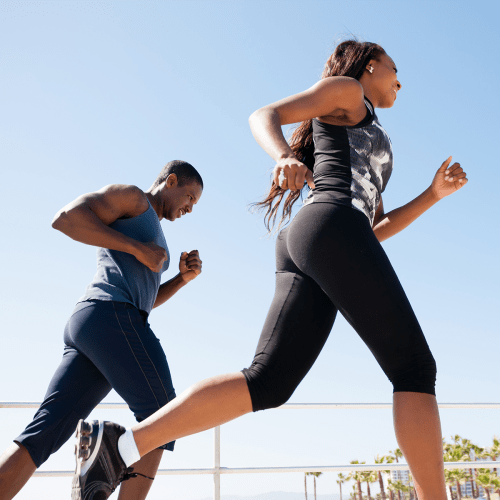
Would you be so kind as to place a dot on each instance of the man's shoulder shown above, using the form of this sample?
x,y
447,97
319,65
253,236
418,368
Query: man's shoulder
x,y
132,196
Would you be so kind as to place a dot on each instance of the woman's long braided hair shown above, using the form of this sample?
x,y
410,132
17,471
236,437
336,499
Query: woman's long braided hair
x,y
349,59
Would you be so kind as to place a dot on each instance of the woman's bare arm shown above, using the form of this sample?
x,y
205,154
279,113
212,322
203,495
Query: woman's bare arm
x,y
327,97
447,180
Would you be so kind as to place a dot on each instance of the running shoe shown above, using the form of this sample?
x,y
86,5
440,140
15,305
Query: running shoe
x,y
99,466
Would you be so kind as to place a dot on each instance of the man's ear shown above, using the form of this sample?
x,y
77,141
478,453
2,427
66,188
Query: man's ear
x,y
171,180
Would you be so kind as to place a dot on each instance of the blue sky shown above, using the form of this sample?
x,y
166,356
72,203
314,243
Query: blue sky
x,y
94,93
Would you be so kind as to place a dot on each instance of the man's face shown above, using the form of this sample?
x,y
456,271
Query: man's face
x,y
179,200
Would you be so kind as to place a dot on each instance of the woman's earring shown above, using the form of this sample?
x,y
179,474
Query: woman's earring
x,y
370,69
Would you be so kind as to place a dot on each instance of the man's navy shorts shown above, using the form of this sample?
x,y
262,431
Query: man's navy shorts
x,y
108,345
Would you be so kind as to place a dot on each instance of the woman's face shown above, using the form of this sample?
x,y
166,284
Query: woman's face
x,y
383,82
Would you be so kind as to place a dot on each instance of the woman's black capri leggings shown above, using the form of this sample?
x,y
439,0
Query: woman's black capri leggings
x,y
329,260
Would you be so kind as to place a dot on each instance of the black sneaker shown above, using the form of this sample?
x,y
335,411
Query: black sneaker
x,y
99,467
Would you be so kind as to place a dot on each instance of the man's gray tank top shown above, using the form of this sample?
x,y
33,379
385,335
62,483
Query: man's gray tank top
x,y
352,165
120,276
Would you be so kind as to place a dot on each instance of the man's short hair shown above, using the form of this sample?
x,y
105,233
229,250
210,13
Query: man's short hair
x,y
185,172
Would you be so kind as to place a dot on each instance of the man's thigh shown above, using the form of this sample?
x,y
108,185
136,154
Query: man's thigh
x,y
119,341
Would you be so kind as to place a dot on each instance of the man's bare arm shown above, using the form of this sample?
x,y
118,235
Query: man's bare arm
x,y
87,220
189,268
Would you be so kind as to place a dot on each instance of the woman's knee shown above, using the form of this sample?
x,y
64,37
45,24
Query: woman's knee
x,y
266,389
418,375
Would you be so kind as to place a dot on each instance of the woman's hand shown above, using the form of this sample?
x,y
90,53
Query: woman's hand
x,y
290,173
448,179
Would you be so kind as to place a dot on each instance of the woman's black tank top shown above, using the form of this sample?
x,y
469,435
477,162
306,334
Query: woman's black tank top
x,y
352,165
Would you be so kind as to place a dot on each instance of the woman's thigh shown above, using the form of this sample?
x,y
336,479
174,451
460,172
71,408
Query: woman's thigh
x,y
336,247
296,328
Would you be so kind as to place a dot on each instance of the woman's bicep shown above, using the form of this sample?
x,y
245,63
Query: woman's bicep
x,y
326,97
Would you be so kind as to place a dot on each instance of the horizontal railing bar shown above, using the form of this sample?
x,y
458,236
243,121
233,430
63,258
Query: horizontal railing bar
x,y
348,468
161,472
108,406
377,406
274,470
293,406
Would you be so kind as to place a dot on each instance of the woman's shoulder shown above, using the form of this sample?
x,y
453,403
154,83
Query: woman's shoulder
x,y
348,96
342,86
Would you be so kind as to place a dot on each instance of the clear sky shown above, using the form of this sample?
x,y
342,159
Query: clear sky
x,y
94,93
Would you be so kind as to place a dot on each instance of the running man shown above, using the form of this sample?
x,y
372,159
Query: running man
x,y
108,341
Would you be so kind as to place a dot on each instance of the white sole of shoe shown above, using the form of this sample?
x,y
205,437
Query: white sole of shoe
x,y
88,443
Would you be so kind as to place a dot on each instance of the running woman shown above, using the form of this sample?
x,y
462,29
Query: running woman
x,y
108,340
329,259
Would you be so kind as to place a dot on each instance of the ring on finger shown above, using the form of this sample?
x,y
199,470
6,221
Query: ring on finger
x,y
281,178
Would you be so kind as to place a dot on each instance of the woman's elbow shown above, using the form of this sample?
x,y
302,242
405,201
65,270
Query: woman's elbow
x,y
60,220
254,117
259,115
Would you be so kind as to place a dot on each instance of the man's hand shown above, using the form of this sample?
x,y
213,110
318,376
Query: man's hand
x,y
152,256
190,265
448,179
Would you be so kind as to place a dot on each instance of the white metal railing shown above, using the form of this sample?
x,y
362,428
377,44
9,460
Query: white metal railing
x,y
217,470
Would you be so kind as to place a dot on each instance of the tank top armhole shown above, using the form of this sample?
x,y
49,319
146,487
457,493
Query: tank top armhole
x,y
368,118
370,115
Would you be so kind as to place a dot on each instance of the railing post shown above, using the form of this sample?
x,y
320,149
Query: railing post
x,y
217,463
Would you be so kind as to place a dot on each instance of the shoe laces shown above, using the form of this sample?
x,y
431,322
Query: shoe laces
x,y
129,473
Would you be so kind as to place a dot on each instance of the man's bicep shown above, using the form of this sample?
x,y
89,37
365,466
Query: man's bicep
x,y
112,202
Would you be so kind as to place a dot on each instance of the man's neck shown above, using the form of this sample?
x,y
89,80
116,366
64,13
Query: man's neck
x,y
154,197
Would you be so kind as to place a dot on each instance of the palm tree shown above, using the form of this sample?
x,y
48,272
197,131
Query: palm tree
x,y
358,477
397,486
496,446
354,494
493,451
341,479
391,493
450,481
455,453
389,459
468,448
411,487
478,453
315,475
369,477
486,479
381,460
459,475
397,453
